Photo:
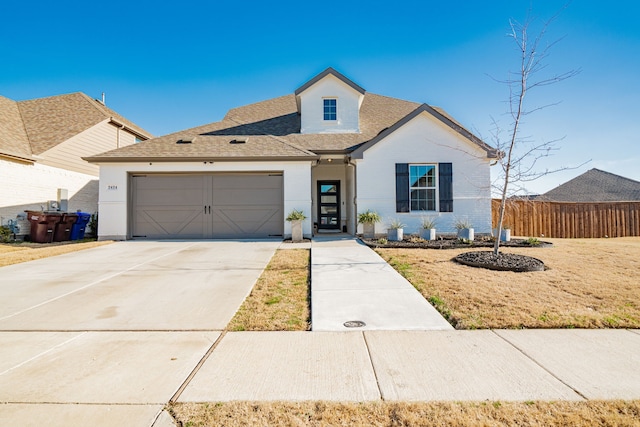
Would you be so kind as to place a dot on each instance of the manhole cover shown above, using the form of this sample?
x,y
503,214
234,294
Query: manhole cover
x,y
354,324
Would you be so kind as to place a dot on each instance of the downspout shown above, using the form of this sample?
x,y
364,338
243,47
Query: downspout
x,y
118,129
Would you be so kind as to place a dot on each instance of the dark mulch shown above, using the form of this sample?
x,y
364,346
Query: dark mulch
x,y
451,243
503,261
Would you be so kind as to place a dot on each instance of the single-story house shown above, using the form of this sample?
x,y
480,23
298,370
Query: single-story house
x,y
593,186
330,149
42,142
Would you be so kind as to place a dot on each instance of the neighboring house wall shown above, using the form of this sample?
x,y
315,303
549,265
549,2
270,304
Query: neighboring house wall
x,y
97,139
114,189
426,140
312,107
31,186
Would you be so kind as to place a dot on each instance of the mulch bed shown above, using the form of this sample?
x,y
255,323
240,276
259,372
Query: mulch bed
x,y
482,259
451,243
503,261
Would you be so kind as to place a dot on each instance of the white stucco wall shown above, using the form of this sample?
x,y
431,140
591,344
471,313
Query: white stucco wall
x,y
31,186
114,189
426,140
348,107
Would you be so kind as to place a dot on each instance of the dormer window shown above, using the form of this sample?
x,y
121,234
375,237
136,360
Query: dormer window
x,y
330,109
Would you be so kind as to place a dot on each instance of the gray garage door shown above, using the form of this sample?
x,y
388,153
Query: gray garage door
x,y
207,206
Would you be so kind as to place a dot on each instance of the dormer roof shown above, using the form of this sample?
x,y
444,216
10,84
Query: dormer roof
x,y
322,75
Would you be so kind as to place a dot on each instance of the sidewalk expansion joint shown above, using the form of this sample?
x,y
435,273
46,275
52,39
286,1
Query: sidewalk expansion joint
x,y
373,368
193,373
524,353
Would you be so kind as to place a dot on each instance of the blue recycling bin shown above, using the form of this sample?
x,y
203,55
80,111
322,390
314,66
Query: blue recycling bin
x,y
77,229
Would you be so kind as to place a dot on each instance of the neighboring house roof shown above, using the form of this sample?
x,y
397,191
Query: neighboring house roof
x,y
595,185
273,127
13,136
34,126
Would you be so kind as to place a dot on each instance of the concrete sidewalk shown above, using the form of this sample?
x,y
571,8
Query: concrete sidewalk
x,y
504,365
350,282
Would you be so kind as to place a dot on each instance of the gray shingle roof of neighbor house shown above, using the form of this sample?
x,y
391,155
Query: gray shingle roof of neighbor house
x,y
34,126
595,185
273,127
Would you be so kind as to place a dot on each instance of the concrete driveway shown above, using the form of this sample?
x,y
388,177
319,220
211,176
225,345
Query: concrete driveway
x,y
109,334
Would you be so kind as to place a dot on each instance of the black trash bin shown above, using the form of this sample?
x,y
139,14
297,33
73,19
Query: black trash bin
x,y
63,228
43,225
78,229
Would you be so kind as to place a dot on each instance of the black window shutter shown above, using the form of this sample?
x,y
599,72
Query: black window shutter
x,y
402,187
445,178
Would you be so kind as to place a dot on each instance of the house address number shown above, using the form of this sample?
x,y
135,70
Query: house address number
x,y
112,187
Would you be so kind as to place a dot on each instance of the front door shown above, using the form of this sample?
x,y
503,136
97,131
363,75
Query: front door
x,y
329,205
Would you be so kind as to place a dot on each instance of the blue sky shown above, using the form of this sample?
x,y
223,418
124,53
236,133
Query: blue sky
x,y
174,65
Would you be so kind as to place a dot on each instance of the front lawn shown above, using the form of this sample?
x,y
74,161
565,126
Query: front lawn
x,y
589,283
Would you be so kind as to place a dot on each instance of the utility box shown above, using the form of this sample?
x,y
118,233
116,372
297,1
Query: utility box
x,y
43,225
63,228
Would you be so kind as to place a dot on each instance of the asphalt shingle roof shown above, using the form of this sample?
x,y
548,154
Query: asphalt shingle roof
x,y
13,136
595,185
34,126
273,128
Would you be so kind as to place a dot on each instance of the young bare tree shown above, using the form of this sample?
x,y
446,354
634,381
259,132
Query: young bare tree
x,y
519,155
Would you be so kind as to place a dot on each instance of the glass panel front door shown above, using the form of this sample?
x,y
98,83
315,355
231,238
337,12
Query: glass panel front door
x,y
329,205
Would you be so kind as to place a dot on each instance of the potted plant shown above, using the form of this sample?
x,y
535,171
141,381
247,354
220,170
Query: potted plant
x,y
396,230
428,228
465,229
505,233
295,218
368,220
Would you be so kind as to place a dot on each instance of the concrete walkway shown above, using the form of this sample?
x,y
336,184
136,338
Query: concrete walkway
x,y
350,282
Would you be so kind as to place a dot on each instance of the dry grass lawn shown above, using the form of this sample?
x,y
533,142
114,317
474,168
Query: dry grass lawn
x,y
14,253
280,299
590,283
591,413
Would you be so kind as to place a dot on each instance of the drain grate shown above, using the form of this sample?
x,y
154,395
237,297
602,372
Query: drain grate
x,y
354,324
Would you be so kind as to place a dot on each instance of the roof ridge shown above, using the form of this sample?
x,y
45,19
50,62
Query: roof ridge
x,y
93,102
24,126
612,174
277,138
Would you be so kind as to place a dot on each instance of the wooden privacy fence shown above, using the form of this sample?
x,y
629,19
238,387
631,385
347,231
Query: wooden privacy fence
x,y
536,218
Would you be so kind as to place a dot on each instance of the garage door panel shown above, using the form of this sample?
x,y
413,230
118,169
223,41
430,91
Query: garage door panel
x,y
241,206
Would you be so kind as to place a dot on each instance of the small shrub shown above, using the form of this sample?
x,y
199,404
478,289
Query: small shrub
x,y
5,234
368,217
428,222
296,215
382,241
532,241
396,224
461,224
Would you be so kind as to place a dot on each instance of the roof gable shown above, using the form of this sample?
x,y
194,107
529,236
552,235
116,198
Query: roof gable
x,y
55,119
325,73
595,185
439,115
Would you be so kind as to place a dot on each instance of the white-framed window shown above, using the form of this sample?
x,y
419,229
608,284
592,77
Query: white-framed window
x,y
422,187
330,109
